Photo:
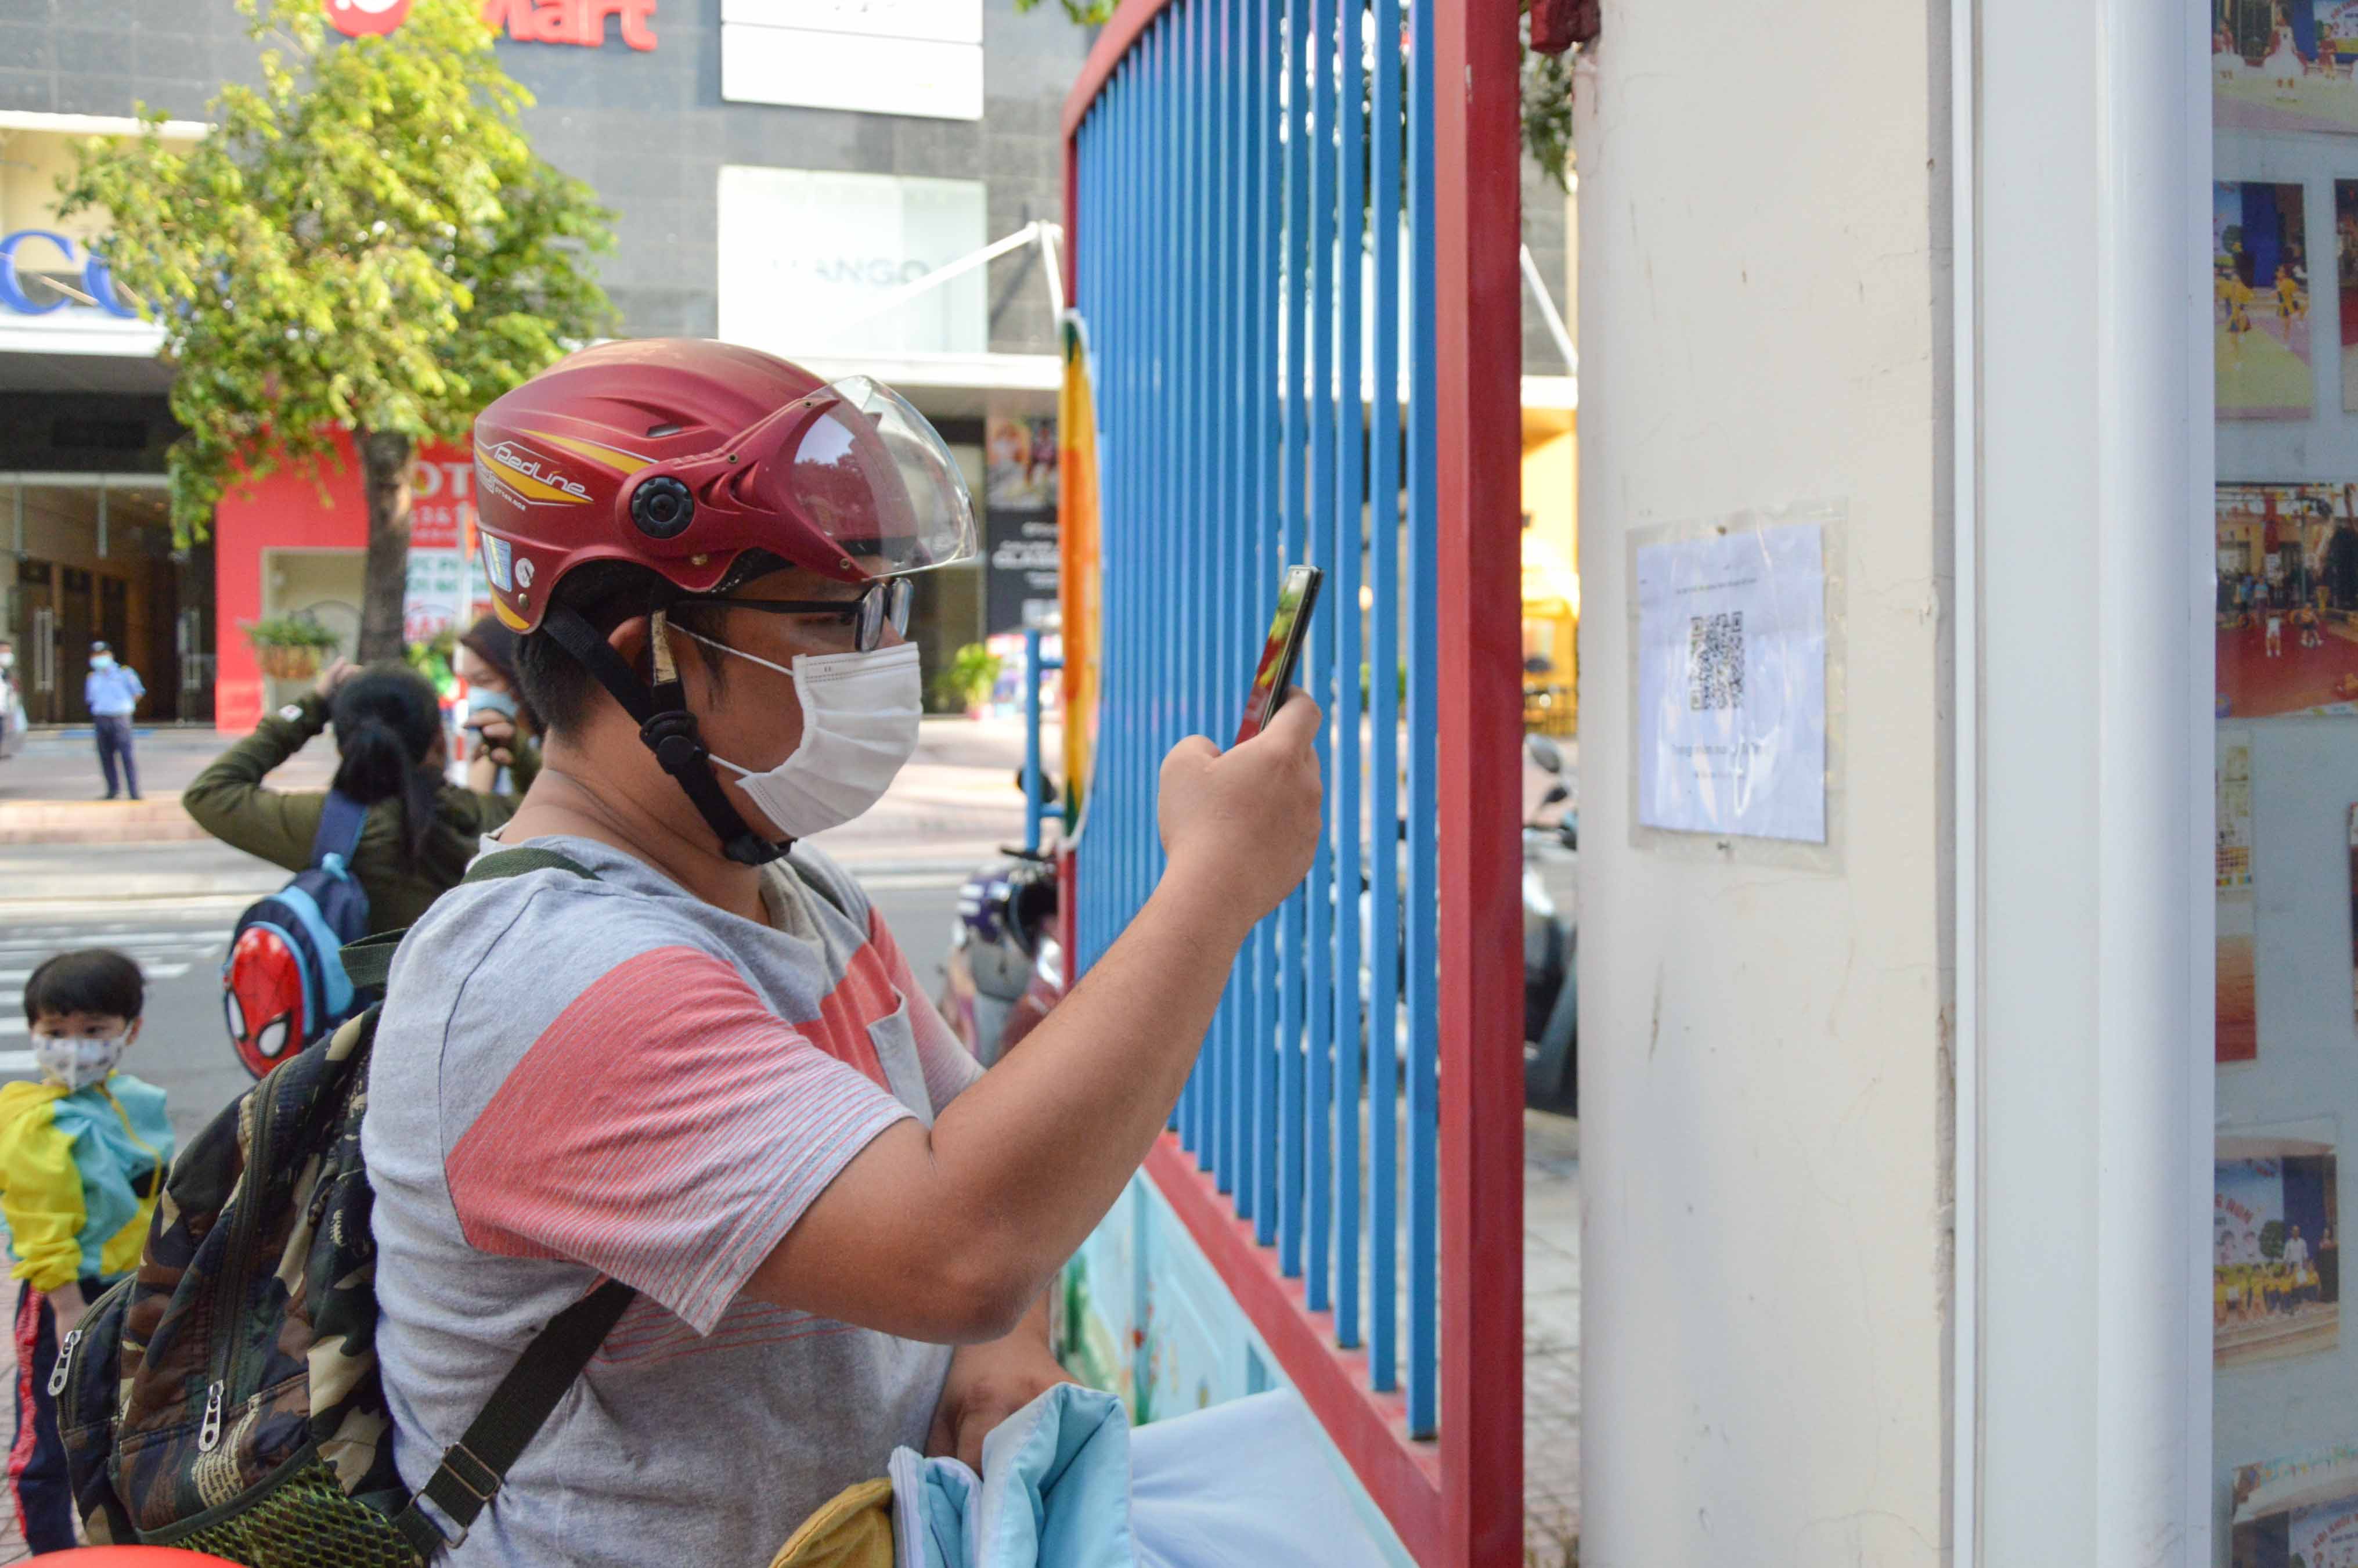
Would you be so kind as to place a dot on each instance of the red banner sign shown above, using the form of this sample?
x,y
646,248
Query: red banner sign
x,y
581,23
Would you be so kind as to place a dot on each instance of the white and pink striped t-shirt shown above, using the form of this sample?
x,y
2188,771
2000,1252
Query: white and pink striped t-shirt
x,y
576,1081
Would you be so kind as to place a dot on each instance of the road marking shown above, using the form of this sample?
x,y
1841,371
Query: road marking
x,y
153,972
19,1062
86,936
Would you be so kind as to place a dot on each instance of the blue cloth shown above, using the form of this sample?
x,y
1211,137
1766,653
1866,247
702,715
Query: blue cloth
x,y
114,693
1065,1485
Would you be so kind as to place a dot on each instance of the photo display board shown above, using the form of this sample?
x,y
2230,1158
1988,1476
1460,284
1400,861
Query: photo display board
x,y
2284,527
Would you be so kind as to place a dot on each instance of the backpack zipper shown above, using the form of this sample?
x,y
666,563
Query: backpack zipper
x,y
254,1184
57,1373
61,1376
209,1437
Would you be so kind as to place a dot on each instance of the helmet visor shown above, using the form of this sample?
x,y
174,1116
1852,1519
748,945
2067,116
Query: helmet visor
x,y
872,474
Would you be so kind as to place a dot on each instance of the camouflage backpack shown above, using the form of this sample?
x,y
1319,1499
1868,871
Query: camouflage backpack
x,y
225,1396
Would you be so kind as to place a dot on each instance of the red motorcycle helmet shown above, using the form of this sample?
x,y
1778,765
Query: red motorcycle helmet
x,y
683,456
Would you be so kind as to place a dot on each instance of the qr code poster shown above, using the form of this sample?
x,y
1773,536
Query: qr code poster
x,y
1732,684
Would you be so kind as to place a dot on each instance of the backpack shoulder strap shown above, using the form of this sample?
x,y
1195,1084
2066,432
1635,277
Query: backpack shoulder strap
x,y
341,821
473,1469
522,860
369,961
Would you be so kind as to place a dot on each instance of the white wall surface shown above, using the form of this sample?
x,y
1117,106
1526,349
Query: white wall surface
x,y
1765,1076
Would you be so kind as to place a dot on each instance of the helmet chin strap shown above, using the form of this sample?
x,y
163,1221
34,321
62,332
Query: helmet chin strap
x,y
666,725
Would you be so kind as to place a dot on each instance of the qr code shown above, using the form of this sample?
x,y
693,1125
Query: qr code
x,y
1715,662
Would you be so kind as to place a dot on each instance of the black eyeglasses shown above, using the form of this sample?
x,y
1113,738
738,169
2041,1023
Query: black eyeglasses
x,y
882,604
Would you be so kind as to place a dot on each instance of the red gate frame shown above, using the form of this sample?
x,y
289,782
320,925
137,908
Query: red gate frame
x,y
1456,1503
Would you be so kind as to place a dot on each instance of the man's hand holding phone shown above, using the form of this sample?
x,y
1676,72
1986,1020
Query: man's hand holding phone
x,y
1244,823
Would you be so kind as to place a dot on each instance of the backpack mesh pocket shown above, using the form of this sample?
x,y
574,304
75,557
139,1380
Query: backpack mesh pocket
x,y
307,1520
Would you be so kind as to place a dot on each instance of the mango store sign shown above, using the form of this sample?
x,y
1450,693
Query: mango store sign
x,y
579,22
43,273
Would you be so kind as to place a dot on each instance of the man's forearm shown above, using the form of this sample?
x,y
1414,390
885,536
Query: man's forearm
x,y
1043,1143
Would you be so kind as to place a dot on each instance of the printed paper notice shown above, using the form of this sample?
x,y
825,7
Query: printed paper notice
x,y
1732,684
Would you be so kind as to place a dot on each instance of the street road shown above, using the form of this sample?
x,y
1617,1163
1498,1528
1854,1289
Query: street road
x,y
178,942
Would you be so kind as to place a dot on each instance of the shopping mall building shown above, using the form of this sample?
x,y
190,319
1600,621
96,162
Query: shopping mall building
x,y
781,172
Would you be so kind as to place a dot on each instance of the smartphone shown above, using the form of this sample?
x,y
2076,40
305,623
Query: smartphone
x,y
1297,595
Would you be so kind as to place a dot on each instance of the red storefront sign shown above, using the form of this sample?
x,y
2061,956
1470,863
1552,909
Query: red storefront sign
x,y
581,23
441,502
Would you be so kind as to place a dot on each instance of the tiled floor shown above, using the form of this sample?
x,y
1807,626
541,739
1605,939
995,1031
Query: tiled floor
x,y
1551,1339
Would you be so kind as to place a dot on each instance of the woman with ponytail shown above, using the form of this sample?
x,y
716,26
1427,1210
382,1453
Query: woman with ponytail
x,y
421,832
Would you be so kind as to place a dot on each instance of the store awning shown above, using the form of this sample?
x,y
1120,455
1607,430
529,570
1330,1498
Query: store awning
x,y
952,385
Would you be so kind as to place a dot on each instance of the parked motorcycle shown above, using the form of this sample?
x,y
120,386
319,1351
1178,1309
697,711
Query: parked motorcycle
x,y
1551,943
1006,968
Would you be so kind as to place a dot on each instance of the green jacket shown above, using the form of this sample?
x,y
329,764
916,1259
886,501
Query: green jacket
x,y
228,800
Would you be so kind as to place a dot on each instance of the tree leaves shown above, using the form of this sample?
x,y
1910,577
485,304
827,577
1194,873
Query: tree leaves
x,y
366,240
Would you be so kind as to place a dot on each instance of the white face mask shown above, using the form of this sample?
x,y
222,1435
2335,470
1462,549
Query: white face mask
x,y
860,728
102,661
78,1061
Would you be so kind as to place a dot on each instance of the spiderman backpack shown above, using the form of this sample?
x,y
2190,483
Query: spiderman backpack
x,y
283,984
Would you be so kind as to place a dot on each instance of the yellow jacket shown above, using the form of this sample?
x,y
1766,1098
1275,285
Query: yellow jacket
x,y
79,1176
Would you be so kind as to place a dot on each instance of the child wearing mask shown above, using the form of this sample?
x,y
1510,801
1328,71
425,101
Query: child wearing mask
x,y
83,1154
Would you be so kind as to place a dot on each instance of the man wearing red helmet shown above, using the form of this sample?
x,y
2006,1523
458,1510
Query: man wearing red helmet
x,y
709,1073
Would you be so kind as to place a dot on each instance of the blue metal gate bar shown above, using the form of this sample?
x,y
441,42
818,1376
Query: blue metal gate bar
x,y
1350,527
1265,266
1383,661
1318,663
1293,494
1421,913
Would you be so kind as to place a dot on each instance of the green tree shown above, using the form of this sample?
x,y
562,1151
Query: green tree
x,y
363,244
2272,1240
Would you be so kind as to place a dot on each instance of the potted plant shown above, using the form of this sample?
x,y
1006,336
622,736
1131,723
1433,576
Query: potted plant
x,y
967,679
290,647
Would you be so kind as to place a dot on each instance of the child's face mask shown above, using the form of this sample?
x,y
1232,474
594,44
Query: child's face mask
x,y
78,1061
102,661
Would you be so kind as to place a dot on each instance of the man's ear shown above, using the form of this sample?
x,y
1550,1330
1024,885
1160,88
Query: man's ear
x,y
630,640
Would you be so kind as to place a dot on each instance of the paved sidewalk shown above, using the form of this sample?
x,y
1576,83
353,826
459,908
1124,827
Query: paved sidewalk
x,y
1551,1340
957,799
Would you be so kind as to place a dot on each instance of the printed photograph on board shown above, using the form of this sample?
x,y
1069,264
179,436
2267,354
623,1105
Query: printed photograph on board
x,y
2298,1512
1020,463
2345,276
2353,904
2284,65
2260,299
2276,1253
2286,609
2237,1011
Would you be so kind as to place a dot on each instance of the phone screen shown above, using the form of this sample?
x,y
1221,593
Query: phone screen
x,y
1297,595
